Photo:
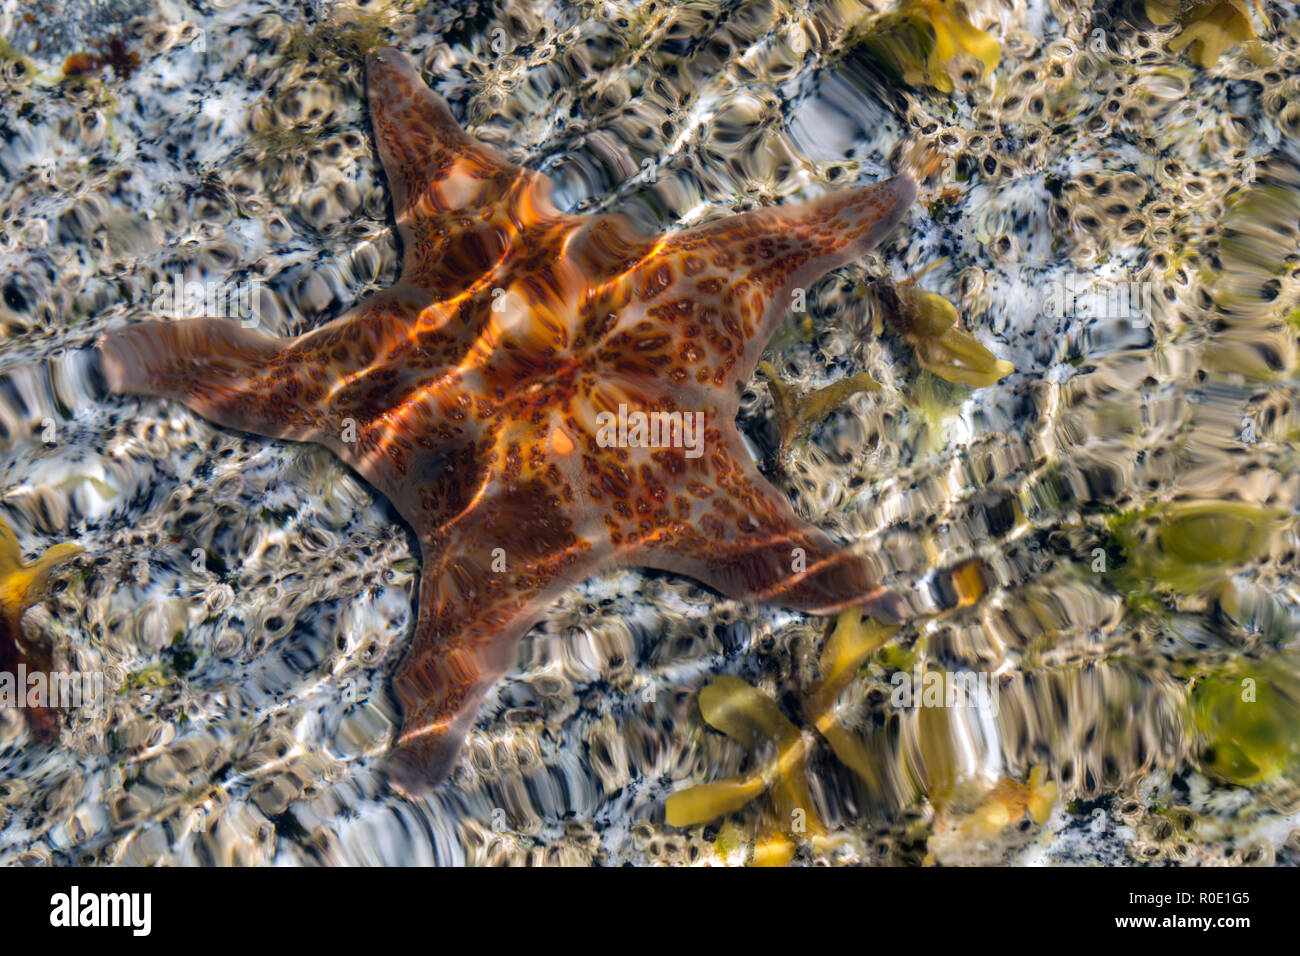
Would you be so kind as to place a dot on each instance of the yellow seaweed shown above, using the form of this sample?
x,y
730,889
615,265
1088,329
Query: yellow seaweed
x,y
795,414
854,637
753,720
944,349
977,826
72,482
1162,12
852,751
21,585
1211,26
773,848
744,714
711,800
919,39
929,322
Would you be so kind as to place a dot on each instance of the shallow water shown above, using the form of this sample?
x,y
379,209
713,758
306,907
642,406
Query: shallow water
x,y
1109,530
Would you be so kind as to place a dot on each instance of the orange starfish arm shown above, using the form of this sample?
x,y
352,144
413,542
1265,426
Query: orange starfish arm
x,y
701,309
497,553
459,205
731,530
333,386
489,574
215,366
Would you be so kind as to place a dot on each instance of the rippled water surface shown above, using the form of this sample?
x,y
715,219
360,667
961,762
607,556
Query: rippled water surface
x,y
1105,537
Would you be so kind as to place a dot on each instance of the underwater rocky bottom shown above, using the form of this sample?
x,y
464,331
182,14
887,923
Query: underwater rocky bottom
x,y
1051,410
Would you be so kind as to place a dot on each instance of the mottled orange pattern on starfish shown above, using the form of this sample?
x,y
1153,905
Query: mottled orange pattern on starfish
x,y
473,388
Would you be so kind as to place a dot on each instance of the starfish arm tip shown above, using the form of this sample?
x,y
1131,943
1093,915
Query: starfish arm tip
x,y
416,769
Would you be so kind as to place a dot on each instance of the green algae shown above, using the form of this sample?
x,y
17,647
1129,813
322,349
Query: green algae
x,y
278,517
1216,534
1248,719
178,661
9,54
934,401
150,677
1186,547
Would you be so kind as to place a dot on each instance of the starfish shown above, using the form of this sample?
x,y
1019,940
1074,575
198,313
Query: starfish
x,y
479,394
21,586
